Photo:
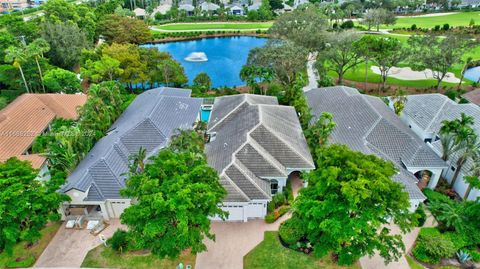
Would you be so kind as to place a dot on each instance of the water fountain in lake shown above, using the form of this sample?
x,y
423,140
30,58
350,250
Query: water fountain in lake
x,y
196,57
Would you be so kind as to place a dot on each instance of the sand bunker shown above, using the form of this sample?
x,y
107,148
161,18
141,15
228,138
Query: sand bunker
x,y
406,73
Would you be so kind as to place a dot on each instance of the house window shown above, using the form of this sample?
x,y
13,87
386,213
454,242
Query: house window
x,y
274,186
453,168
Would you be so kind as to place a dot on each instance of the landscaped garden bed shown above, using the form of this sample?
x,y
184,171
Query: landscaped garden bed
x,y
280,203
271,254
455,242
24,254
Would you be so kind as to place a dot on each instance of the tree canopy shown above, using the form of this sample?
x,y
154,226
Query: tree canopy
x,y
26,204
174,197
349,197
120,29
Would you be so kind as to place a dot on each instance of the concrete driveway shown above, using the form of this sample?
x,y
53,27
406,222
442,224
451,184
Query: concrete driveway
x,y
233,241
69,246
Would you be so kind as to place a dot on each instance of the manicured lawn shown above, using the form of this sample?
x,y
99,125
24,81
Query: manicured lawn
x,y
26,257
413,263
214,26
102,257
456,19
270,254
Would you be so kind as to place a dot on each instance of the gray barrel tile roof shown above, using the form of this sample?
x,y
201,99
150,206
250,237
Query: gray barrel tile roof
x,y
148,122
366,124
259,139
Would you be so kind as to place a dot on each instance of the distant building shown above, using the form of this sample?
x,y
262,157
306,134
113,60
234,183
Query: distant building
x,y
254,7
235,9
187,7
29,116
365,123
140,13
424,114
13,5
209,7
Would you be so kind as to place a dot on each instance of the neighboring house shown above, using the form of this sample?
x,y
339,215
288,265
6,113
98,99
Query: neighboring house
x,y
187,6
162,9
255,145
424,114
11,5
254,7
235,9
473,97
297,3
140,12
366,124
209,7
469,3
149,122
29,116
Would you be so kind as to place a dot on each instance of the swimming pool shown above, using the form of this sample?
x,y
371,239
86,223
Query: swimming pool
x,y
205,114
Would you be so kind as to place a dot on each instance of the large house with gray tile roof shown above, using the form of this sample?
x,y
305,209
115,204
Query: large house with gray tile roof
x,y
424,114
149,122
366,124
254,144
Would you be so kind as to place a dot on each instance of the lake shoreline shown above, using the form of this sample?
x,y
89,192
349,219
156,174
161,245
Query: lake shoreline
x,y
202,36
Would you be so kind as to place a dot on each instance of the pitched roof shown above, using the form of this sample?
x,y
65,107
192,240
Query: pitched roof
x,y
209,6
148,122
473,96
28,116
429,110
366,124
255,138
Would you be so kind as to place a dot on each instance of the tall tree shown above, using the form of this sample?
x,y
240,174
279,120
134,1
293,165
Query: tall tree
x,y
104,69
364,47
66,42
36,49
118,29
438,54
399,100
387,53
61,80
285,59
306,26
26,204
175,196
318,133
468,148
203,82
378,16
349,199
341,54
18,56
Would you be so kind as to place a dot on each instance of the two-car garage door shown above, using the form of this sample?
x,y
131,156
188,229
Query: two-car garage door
x,y
244,212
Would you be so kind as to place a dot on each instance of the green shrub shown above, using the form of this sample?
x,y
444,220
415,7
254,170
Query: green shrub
x,y
291,231
434,196
459,240
347,24
431,246
270,207
421,215
445,27
270,218
279,199
413,27
119,241
474,253
288,191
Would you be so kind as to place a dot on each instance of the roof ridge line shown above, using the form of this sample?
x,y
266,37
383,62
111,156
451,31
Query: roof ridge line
x,y
229,113
288,145
238,164
97,188
445,101
235,186
269,157
111,171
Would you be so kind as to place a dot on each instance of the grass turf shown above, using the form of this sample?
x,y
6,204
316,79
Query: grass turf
x,y
413,263
102,257
270,254
455,19
26,257
213,26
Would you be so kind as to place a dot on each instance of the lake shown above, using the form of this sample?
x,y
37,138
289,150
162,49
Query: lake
x,y
226,56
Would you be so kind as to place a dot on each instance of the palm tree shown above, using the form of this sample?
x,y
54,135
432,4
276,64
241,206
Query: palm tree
x,y
36,49
138,161
467,62
17,56
448,145
468,148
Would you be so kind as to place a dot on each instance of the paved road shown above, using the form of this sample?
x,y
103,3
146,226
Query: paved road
x,y
312,73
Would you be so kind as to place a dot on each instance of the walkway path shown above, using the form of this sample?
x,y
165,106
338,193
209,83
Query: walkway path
x,y
69,246
376,261
233,240
312,73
